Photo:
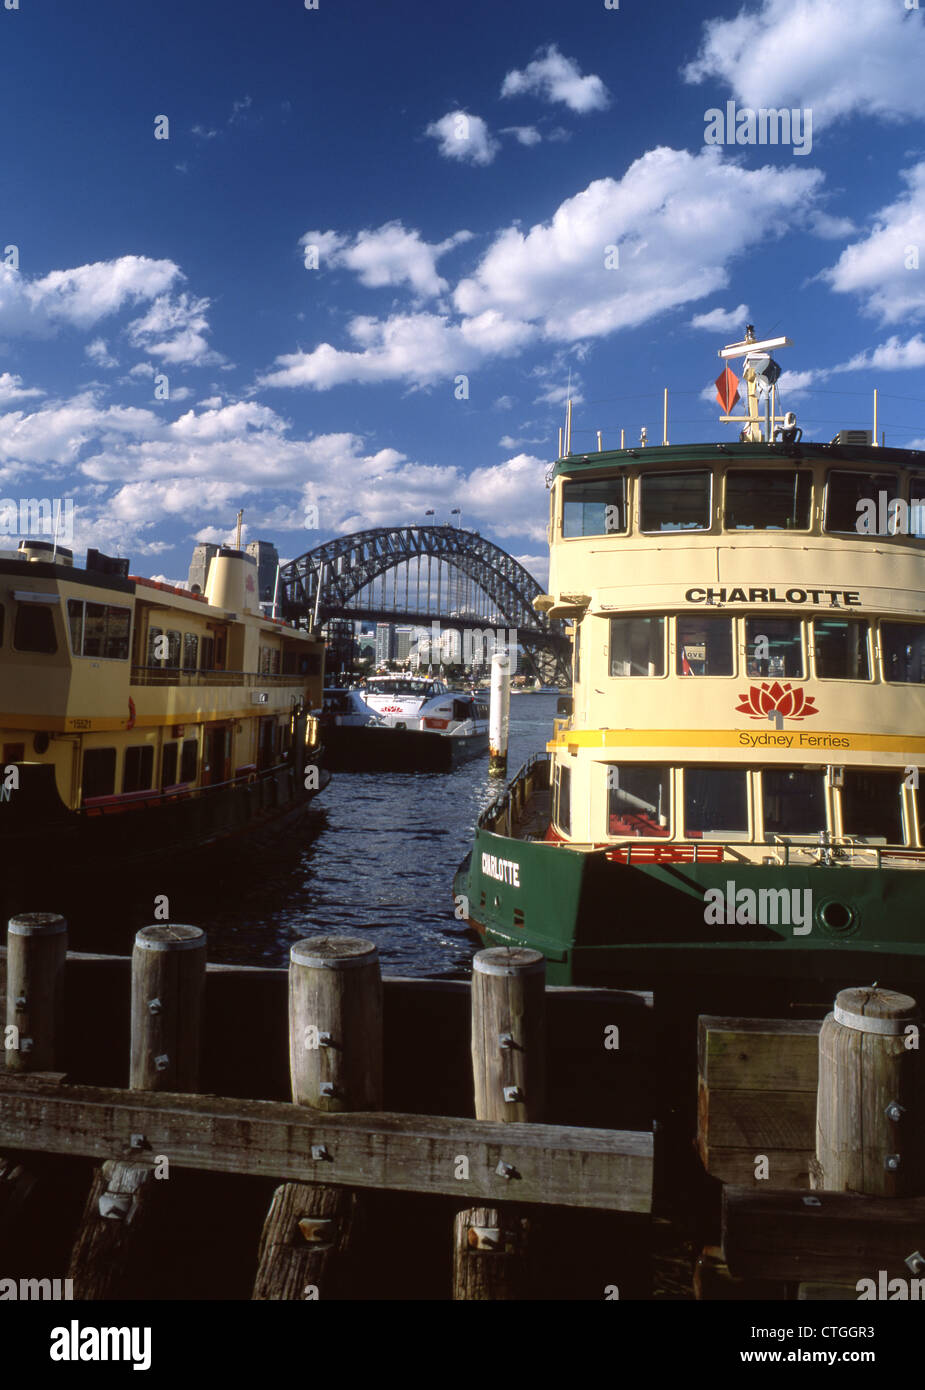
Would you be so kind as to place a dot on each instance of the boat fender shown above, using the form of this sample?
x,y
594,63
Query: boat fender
x,y
131,713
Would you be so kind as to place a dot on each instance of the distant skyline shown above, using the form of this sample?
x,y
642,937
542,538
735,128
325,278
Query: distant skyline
x,y
337,266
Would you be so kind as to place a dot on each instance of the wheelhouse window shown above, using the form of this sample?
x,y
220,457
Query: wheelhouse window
x,y
841,649
637,646
637,800
99,629
774,647
793,801
189,759
563,812
768,500
676,501
99,773
844,491
207,662
139,767
174,647
903,648
704,647
190,651
34,629
169,758
154,645
594,508
871,806
716,803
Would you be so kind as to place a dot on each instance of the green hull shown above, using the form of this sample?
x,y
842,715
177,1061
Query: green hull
x,y
600,922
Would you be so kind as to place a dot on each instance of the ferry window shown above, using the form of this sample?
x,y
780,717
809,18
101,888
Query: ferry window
x,y
903,647
871,805
841,649
675,501
794,802
705,647
118,623
172,659
766,500
75,622
208,654
189,759
190,651
153,646
564,800
14,753
169,757
594,508
99,773
637,646
34,630
845,490
774,647
637,800
139,765
715,802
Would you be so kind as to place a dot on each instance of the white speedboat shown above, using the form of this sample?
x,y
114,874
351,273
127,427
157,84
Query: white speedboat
x,y
405,723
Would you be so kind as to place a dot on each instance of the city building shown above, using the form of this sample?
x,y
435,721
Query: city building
x,y
267,557
199,566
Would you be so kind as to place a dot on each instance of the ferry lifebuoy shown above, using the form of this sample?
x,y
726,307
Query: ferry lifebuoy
x,y
131,713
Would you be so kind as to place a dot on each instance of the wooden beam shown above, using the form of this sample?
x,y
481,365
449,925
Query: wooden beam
x,y
758,1054
609,1170
820,1236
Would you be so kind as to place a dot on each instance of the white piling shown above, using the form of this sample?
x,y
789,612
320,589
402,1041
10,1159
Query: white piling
x,y
499,716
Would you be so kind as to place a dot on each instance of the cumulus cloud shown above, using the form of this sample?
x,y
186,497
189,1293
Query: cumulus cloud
x,y
722,320
838,57
174,329
523,134
12,389
464,137
893,355
883,268
615,255
98,352
80,296
390,255
553,77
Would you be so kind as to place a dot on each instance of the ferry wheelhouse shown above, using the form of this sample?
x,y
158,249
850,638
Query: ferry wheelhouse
x,y
137,718
736,788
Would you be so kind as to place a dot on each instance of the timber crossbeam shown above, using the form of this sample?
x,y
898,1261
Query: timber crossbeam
x,y
555,1165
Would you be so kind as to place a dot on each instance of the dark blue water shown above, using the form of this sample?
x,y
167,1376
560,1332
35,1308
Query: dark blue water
x,y
376,858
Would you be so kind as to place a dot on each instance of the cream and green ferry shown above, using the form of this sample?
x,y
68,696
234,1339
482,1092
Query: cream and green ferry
x,y
138,719
738,788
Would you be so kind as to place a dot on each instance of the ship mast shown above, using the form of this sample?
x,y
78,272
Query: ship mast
x,y
760,370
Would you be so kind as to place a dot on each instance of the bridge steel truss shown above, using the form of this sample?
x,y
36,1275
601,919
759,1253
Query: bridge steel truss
x,y
321,583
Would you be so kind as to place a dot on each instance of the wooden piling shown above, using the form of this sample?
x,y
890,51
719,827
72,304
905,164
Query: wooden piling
x,y
168,971
335,1058
509,1073
868,1102
36,953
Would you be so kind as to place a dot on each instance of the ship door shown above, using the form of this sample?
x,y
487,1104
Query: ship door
x,y
266,752
216,765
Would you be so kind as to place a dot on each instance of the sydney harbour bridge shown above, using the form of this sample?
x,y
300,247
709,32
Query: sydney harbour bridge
x,y
424,575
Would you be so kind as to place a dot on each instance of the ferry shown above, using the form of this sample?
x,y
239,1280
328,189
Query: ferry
x,y
139,719
401,723
736,790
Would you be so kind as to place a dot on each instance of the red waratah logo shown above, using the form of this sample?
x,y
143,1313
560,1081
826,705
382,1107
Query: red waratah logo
x,y
776,699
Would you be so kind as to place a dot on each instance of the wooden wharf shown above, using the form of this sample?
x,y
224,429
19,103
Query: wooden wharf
x,y
172,1128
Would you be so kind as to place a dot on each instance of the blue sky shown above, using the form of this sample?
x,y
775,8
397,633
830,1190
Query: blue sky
x,y
461,174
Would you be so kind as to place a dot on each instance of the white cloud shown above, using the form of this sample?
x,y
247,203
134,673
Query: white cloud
x,y
504,403
143,369
80,296
512,495
722,320
831,228
390,255
419,348
98,352
523,134
12,389
174,329
893,355
204,132
464,137
553,77
883,269
836,57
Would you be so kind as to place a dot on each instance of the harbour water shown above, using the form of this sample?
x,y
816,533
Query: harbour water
x,y
375,858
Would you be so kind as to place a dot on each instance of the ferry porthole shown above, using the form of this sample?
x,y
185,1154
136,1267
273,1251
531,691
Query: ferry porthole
x,y
836,917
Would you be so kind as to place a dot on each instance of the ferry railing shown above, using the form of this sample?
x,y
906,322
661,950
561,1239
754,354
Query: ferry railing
x,y
179,791
171,675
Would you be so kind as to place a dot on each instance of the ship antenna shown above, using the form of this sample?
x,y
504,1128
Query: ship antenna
x,y
760,369
237,536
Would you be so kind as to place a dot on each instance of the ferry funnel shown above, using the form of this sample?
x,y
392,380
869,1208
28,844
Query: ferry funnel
x,y
232,581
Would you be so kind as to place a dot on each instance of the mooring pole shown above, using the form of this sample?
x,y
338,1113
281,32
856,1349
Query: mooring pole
x,y
499,714
168,973
36,952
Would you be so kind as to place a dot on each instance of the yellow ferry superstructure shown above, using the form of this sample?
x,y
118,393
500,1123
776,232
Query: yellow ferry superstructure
x,y
141,713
